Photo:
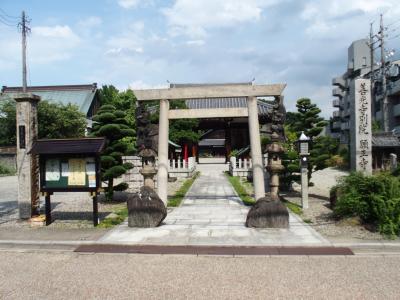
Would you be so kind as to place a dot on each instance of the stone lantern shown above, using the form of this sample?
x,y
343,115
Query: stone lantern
x,y
303,145
148,167
274,166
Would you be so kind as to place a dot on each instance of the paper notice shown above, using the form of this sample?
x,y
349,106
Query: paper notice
x,y
77,175
90,168
52,170
92,180
64,169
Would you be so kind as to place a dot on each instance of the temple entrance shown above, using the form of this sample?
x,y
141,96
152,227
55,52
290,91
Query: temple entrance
x,y
214,101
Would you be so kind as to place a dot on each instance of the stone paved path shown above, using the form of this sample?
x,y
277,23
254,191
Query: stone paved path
x,y
212,214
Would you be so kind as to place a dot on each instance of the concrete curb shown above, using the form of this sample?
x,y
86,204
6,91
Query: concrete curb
x,y
90,242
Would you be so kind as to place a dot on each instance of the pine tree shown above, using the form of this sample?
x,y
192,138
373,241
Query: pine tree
x,y
307,119
112,124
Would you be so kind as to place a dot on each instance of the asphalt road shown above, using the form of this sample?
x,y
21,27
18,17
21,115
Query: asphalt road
x,y
68,275
8,194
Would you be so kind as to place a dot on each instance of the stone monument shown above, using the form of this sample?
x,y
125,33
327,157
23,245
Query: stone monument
x,y
269,211
146,209
27,164
360,127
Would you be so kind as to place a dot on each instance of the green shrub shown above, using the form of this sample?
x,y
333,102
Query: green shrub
x,y
176,199
375,199
240,190
6,170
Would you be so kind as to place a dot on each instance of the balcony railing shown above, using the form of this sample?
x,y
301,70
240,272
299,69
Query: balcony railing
x,y
339,81
338,92
345,126
396,110
336,103
336,114
336,125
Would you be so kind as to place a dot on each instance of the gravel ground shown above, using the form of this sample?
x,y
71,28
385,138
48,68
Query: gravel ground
x,y
67,275
69,210
319,214
323,181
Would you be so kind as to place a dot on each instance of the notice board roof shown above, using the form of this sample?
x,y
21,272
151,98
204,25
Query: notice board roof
x,y
68,146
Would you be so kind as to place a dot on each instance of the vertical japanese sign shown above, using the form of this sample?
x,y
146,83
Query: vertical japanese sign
x,y
77,172
361,142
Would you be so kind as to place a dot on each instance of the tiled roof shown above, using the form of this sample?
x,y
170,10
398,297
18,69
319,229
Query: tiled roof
x,y
212,142
232,102
80,95
386,139
68,146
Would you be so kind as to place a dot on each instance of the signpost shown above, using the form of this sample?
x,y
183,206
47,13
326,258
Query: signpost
x,y
69,165
360,127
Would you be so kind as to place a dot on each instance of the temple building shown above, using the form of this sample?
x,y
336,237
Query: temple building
x,y
221,136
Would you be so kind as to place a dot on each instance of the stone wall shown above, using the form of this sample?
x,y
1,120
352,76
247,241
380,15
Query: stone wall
x,y
8,160
133,177
8,157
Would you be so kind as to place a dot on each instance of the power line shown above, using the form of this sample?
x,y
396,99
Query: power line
x,y
7,15
397,21
7,22
393,37
6,19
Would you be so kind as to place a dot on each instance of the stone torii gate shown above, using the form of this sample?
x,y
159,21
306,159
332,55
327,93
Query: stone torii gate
x,y
251,92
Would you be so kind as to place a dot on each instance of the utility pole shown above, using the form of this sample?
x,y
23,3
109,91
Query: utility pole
x,y
385,104
371,49
24,30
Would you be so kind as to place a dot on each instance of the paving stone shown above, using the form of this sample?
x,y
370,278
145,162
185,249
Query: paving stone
x,y
212,214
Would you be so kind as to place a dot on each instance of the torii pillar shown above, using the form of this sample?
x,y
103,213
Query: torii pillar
x,y
255,147
27,164
163,132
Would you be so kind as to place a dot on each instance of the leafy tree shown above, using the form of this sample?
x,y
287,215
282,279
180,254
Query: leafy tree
x,y
55,120
8,123
376,126
307,119
291,118
324,148
124,101
183,131
290,159
112,124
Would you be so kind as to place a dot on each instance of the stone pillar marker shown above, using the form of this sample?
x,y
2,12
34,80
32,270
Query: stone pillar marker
x,y
162,174
304,187
27,164
255,148
360,127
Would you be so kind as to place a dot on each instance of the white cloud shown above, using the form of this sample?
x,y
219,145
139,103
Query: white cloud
x,y
92,21
58,32
195,43
48,44
140,85
333,17
193,18
127,42
123,51
128,4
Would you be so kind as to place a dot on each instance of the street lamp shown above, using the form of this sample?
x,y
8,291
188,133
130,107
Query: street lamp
x,y
303,145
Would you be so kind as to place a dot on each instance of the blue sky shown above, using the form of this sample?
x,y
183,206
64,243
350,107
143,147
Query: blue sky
x,y
144,43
